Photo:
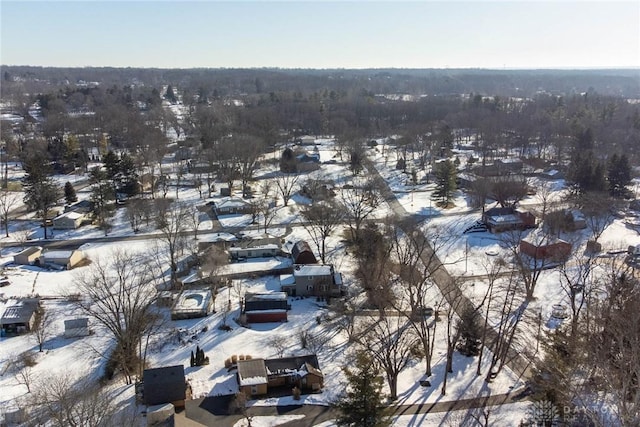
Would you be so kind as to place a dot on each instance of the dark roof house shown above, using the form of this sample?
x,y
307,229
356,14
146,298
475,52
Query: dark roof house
x,y
165,385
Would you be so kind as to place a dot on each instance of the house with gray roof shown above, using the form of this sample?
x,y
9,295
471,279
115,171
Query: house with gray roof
x,y
19,316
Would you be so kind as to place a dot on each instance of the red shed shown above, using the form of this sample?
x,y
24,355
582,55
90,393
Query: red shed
x,y
547,248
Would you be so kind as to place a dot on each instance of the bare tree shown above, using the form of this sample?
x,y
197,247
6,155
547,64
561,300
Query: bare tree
x,y
599,211
510,311
415,255
8,200
579,285
322,219
42,327
455,303
360,202
493,271
529,268
508,190
250,148
287,184
239,405
25,376
373,271
119,295
172,224
64,401
614,341
135,213
279,344
390,342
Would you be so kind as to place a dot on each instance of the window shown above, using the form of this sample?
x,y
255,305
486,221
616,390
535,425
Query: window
x,y
254,389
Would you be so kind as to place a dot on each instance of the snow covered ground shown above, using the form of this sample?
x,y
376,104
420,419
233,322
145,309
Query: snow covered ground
x,y
466,255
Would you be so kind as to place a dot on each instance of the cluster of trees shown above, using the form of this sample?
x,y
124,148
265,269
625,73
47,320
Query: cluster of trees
x,y
591,367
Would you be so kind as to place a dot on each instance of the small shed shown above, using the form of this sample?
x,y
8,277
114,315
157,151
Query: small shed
x,y
266,307
65,259
74,328
19,315
68,221
252,377
301,253
548,248
165,385
28,256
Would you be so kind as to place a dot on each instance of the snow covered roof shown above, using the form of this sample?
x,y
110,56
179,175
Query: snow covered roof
x,y
265,296
231,202
218,237
19,311
73,215
252,372
287,279
312,270
58,254
249,248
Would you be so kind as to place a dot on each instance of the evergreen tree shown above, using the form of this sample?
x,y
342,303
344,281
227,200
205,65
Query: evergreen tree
x,y
446,175
619,174
170,95
40,191
470,330
70,193
362,403
288,162
102,196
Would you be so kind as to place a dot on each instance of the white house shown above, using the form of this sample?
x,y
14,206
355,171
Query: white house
x,y
65,259
68,221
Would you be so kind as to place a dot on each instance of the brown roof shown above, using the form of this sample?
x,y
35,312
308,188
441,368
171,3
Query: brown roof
x,y
252,372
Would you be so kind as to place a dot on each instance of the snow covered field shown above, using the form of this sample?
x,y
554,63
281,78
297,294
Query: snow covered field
x,y
466,255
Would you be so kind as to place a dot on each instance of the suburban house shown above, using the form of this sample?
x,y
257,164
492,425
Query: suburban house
x,y
28,256
192,304
262,251
76,327
565,220
64,259
265,307
545,248
312,280
68,221
259,376
500,167
83,206
506,219
301,253
222,240
19,315
232,206
164,385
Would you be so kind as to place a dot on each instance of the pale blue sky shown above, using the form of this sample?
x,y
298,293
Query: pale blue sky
x,y
321,34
